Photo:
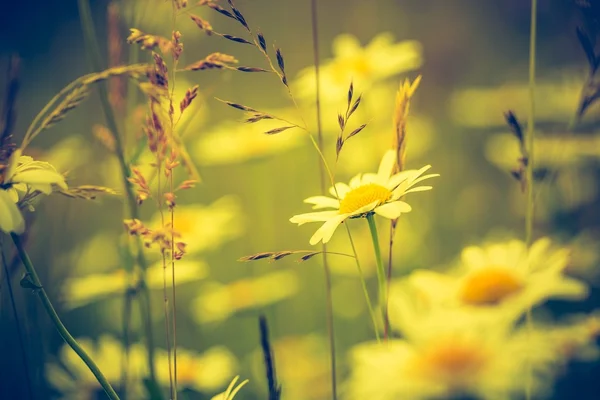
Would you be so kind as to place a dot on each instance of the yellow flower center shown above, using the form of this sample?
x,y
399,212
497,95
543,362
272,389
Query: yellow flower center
x,y
362,196
489,286
454,361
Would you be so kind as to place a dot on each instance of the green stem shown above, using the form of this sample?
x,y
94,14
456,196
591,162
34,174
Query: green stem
x,y
18,323
87,25
363,282
530,165
380,268
64,333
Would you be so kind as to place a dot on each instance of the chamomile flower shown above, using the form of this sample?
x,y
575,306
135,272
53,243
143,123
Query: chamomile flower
x,y
446,354
502,277
378,193
22,180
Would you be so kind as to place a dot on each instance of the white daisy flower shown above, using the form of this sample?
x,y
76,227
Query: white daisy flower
x,y
378,193
499,277
24,179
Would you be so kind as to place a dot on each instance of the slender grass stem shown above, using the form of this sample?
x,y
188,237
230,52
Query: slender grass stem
x,y
87,25
530,212
172,213
322,166
18,324
62,330
380,268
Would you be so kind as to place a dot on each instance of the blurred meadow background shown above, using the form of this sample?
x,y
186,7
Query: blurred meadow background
x,y
473,58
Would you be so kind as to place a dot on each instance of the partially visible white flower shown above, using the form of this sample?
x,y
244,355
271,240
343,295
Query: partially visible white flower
x,y
231,391
22,181
372,192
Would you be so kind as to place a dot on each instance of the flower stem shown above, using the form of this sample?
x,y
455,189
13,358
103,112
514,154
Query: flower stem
x,y
363,284
380,268
18,323
530,165
64,333
322,166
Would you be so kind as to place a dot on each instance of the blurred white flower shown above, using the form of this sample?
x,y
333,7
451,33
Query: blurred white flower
x,y
499,277
218,301
382,58
205,372
76,381
236,142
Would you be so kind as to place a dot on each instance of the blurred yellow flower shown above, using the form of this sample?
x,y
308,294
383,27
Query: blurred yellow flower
x,y
80,291
74,379
206,227
372,192
218,301
231,390
382,58
23,179
206,372
481,107
448,355
502,277
304,378
236,143
554,151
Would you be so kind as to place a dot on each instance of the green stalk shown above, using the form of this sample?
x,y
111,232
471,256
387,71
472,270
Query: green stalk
x,y
530,165
87,25
64,333
380,268
329,297
18,323
364,285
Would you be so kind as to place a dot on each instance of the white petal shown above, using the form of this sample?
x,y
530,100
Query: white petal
x,y
356,181
420,172
414,182
301,219
40,176
325,232
11,219
341,188
387,165
323,202
393,210
396,194
371,178
400,177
